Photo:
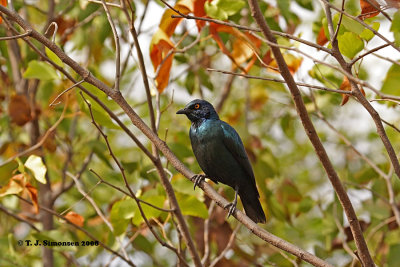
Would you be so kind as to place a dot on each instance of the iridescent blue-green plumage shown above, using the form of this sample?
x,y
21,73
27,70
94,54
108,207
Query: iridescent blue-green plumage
x,y
221,155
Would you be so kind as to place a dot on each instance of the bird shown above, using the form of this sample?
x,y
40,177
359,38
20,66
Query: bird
x,y
222,157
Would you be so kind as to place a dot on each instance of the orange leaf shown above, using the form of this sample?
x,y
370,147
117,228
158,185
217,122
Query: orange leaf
x,y
321,38
198,11
168,24
32,192
19,110
75,218
346,87
15,185
368,10
159,48
3,3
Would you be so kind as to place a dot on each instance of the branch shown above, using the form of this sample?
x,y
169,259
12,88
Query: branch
x,y
313,136
18,218
311,86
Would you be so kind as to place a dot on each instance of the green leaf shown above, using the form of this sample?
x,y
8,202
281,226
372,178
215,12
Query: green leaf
x,y
326,75
350,44
40,70
120,214
100,149
154,198
35,164
53,57
395,28
392,81
394,255
351,24
222,9
367,35
190,205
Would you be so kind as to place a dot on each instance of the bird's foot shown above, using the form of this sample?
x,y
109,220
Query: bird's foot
x,y
197,179
232,208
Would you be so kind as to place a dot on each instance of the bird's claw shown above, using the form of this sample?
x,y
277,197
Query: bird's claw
x,y
232,208
197,179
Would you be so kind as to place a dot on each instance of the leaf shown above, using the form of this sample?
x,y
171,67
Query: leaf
x,y
346,87
288,192
35,164
198,11
168,24
368,10
367,34
392,81
118,222
160,47
53,57
15,186
222,9
321,38
75,218
395,28
350,24
394,255
40,70
19,110
190,205
350,44
3,3
32,192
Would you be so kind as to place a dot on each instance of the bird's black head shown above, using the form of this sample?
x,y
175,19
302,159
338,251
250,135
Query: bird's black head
x,y
198,110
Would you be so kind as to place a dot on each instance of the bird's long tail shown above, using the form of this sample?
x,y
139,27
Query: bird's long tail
x,y
252,206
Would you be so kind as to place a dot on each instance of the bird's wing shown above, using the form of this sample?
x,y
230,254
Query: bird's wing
x,y
235,146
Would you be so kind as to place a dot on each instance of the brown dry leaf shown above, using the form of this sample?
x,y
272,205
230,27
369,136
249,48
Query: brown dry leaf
x,y
75,218
50,143
368,10
19,110
392,3
32,192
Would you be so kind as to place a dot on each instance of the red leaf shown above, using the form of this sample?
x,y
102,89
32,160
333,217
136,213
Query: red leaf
x,y
368,10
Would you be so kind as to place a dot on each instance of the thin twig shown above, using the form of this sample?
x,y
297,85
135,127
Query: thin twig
x,y
16,36
117,46
18,218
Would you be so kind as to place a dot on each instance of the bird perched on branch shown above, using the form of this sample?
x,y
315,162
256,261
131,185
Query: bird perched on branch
x,y
221,155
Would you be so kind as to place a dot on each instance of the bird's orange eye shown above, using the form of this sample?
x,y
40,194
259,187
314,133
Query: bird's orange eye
x,y
197,106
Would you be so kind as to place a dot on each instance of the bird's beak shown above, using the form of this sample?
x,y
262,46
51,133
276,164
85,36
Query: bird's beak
x,y
182,111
